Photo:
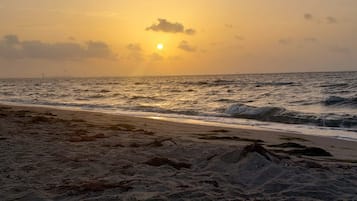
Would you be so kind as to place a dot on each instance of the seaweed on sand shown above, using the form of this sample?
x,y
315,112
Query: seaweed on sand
x,y
232,138
165,161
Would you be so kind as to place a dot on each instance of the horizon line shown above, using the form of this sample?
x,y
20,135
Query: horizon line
x,y
42,76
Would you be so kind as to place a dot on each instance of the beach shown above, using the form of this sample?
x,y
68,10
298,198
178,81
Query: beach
x,y
54,154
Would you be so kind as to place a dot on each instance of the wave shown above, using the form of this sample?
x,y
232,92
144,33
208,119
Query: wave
x,y
7,93
227,100
246,111
334,85
282,115
267,114
99,83
175,91
96,96
104,91
224,82
216,82
146,98
199,83
262,84
340,101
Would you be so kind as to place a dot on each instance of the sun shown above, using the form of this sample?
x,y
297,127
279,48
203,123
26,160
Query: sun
x,y
160,46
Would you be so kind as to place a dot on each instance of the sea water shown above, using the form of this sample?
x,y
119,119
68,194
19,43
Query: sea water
x,y
312,103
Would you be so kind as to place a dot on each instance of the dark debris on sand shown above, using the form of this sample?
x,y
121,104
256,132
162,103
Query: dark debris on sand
x,y
300,150
257,148
96,186
220,131
233,138
288,145
165,161
310,151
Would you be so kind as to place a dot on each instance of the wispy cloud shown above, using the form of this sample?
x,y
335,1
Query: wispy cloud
x,y
135,52
285,41
328,19
12,48
156,57
331,20
308,16
310,40
239,37
340,50
170,27
134,47
184,45
229,26
190,31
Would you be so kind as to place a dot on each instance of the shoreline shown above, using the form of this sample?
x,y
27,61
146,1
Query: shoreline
x,y
134,119
53,154
250,124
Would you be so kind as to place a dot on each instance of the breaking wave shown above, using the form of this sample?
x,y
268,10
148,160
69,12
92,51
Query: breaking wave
x,y
282,115
341,101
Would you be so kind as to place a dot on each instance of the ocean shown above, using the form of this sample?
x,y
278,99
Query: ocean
x,y
308,103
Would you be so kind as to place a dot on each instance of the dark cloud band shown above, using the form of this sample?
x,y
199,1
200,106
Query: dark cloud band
x,y
12,48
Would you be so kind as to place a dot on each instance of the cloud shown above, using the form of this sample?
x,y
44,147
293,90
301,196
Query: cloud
x,y
229,26
285,41
190,31
184,45
238,37
308,16
169,27
156,57
328,19
134,47
310,40
331,20
12,48
135,53
340,50
71,38
97,49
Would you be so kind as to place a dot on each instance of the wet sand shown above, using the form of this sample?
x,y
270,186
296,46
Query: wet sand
x,y
52,154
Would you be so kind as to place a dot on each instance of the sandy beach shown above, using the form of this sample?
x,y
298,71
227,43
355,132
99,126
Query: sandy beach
x,y
52,154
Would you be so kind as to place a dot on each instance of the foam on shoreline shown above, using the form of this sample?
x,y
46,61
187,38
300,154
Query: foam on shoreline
x,y
218,121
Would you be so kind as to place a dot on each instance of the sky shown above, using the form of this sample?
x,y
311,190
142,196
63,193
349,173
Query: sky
x,y
86,38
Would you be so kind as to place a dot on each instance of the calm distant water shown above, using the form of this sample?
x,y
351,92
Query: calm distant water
x,y
327,100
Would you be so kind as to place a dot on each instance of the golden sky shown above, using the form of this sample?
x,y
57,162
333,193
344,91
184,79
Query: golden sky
x,y
118,38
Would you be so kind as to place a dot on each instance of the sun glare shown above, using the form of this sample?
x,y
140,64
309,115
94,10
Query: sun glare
x,y
160,46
